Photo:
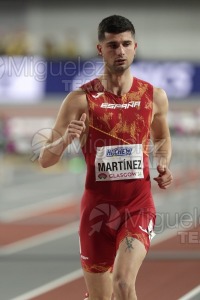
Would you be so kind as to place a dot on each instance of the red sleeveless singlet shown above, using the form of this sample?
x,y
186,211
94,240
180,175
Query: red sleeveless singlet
x,y
118,121
117,200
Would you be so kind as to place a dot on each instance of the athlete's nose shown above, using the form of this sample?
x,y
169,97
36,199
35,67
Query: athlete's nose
x,y
120,50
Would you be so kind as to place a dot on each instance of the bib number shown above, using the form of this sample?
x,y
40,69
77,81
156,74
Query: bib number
x,y
119,162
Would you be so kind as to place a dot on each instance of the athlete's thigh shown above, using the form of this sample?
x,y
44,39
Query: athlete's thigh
x,y
130,255
133,242
97,253
99,285
97,245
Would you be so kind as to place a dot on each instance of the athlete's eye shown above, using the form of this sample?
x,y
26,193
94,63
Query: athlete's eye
x,y
126,44
113,46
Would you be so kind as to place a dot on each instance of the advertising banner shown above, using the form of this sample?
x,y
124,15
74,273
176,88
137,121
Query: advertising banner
x,y
179,79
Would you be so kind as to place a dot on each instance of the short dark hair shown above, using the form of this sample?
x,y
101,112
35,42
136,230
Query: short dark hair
x,y
114,24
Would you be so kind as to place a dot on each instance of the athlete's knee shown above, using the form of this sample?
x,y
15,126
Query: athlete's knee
x,y
99,297
123,288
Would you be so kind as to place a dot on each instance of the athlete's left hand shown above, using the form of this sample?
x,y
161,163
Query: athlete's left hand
x,y
165,178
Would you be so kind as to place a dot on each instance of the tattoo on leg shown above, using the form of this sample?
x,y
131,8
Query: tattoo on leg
x,y
129,243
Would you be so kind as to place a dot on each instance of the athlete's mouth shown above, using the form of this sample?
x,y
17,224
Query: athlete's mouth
x,y
120,61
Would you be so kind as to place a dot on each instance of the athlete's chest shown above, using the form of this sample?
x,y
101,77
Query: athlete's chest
x,y
113,110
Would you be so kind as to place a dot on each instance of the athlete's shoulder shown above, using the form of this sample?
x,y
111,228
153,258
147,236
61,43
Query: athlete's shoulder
x,y
93,85
159,94
140,81
76,93
160,98
75,99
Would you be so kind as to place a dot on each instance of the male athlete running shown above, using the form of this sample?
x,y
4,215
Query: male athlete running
x,y
114,117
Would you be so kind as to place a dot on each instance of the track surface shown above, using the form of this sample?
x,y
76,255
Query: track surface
x,y
39,252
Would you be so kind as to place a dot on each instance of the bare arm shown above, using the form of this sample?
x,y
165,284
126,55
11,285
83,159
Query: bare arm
x,y
70,124
161,138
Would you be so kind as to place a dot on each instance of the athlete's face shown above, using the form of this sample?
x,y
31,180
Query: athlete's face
x,y
118,51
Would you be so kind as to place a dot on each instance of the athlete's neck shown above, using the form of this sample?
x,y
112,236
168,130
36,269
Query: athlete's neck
x,y
117,84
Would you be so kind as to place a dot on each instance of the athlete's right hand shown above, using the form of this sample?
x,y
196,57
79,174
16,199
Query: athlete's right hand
x,y
75,129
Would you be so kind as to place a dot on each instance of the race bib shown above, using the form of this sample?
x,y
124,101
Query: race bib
x,y
119,162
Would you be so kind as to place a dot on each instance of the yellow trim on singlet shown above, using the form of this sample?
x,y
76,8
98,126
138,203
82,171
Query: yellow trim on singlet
x,y
110,135
115,137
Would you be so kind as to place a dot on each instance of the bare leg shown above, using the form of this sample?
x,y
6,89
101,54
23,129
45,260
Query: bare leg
x,y
129,258
99,285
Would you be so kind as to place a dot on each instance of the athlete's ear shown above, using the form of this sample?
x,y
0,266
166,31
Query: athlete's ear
x,y
99,49
135,45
